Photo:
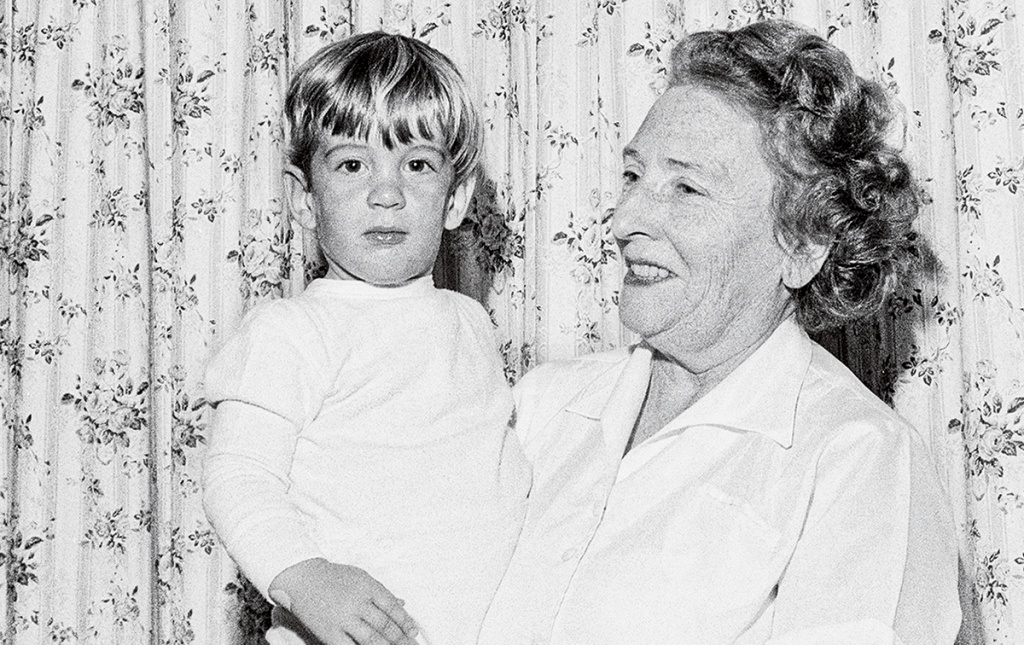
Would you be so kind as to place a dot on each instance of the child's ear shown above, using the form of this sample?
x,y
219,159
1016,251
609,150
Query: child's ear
x,y
300,197
458,203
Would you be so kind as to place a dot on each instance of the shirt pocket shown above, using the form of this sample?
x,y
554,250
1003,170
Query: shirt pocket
x,y
719,554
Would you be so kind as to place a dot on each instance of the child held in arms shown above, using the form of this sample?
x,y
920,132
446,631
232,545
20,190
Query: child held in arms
x,y
362,470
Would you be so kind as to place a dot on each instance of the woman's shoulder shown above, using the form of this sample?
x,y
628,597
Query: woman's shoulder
x,y
577,372
836,408
548,389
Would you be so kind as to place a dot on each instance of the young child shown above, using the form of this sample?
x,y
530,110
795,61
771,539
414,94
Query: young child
x,y
361,441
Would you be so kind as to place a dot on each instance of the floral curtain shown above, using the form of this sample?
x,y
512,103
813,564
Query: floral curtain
x,y
141,215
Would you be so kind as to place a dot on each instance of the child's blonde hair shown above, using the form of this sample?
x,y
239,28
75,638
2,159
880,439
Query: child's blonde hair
x,y
388,84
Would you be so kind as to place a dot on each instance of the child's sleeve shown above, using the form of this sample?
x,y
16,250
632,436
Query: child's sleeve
x,y
265,385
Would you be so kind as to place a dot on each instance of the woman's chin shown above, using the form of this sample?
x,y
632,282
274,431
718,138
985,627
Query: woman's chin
x,y
644,314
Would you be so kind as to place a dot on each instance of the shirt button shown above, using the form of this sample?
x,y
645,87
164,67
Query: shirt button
x,y
569,554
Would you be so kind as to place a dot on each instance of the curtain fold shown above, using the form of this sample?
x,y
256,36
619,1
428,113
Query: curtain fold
x,y
141,214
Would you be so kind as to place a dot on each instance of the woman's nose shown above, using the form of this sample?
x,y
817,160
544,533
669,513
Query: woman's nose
x,y
631,216
386,192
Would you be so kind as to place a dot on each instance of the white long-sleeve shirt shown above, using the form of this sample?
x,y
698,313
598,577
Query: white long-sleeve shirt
x,y
788,505
369,426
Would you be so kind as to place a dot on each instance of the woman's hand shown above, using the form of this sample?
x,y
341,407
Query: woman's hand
x,y
343,605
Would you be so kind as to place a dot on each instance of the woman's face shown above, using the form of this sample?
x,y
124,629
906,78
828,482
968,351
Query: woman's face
x,y
695,227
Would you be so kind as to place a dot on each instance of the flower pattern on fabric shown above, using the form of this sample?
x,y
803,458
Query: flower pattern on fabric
x,y
112,407
24,239
114,90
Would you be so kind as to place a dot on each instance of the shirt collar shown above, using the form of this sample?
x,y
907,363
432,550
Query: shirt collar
x,y
618,391
358,289
760,395
615,398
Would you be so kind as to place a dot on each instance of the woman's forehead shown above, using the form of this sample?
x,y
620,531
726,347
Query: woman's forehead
x,y
691,125
696,111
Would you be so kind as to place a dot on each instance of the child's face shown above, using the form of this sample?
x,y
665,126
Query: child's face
x,y
379,213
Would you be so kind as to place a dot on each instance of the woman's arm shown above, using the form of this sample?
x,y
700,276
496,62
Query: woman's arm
x,y
878,552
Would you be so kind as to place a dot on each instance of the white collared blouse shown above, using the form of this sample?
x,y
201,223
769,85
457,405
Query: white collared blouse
x,y
788,505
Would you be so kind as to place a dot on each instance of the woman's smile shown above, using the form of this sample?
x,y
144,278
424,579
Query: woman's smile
x,y
640,273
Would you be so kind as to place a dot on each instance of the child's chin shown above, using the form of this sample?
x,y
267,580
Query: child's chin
x,y
391,281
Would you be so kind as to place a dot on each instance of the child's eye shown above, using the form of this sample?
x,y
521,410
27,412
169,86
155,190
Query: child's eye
x,y
418,165
351,165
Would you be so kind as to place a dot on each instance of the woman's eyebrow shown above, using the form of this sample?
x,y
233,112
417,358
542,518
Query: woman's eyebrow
x,y
711,168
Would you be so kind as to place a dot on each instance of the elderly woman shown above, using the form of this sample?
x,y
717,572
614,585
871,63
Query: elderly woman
x,y
727,480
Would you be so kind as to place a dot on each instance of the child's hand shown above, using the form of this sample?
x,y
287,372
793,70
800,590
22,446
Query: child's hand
x,y
343,605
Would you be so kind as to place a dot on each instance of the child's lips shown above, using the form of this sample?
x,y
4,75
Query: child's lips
x,y
385,237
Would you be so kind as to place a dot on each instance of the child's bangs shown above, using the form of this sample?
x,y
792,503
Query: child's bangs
x,y
383,85
411,108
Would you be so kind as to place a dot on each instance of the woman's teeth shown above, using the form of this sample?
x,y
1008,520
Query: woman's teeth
x,y
648,271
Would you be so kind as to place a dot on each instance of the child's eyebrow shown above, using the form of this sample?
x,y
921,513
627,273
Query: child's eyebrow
x,y
417,146
429,147
346,146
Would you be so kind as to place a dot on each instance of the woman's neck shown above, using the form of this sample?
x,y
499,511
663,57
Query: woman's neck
x,y
671,390
677,383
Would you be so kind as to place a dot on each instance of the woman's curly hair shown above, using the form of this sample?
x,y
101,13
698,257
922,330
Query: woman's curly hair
x,y
837,181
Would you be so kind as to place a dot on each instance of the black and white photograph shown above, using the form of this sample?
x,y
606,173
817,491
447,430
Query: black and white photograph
x,y
512,322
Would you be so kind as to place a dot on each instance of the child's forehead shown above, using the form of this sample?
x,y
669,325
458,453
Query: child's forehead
x,y
378,140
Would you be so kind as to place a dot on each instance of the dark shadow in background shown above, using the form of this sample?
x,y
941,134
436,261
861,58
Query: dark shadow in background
x,y
879,348
481,247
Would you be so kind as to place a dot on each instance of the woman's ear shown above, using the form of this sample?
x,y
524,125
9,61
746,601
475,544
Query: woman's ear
x,y
299,196
458,203
803,263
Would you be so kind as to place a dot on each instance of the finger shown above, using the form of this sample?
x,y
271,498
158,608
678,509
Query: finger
x,y
340,639
386,626
329,633
362,633
393,608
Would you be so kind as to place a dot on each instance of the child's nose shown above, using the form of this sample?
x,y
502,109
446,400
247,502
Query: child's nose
x,y
386,193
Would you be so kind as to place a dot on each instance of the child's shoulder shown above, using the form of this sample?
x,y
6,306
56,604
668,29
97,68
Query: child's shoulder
x,y
288,316
275,309
463,301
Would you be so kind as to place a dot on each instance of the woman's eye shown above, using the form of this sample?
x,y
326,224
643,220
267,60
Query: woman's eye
x,y
418,165
687,189
352,165
629,177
